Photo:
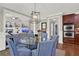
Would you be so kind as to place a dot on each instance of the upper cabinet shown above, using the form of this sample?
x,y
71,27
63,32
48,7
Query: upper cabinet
x,y
77,20
68,18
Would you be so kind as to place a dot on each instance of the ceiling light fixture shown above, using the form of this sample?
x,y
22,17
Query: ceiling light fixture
x,y
35,15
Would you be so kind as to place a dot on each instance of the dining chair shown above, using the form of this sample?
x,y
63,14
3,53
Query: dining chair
x,y
14,51
21,40
43,36
46,48
55,39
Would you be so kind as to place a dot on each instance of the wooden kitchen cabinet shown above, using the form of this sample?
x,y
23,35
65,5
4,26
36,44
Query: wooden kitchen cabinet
x,y
76,22
72,19
77,39
68,18
76,29
69,40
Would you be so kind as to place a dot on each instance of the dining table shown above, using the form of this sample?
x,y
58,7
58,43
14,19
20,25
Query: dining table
x,y
24,39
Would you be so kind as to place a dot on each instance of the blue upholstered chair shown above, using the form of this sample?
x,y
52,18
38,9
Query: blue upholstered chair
x,y
26,40
46,48
43,36
55,41
22,40
17,38
14,51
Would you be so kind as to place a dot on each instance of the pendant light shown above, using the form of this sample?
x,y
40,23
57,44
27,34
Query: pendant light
x,y
35,15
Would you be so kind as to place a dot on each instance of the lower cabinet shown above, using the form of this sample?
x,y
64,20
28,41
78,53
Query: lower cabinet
x,y
69,40
77,39
72,40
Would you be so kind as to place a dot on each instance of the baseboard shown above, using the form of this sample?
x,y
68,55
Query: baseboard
x,y
2,49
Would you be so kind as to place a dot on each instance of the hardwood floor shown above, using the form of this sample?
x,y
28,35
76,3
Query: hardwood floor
x,y
5,53
70,49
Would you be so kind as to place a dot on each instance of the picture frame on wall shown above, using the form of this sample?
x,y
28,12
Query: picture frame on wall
x,y
44,26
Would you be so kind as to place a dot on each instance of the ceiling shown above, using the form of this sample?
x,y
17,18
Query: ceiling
x,y
45,9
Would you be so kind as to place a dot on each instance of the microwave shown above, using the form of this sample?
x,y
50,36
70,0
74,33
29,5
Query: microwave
x,y
69,34
69,27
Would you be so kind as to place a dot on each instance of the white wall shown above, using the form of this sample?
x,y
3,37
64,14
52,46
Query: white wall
x,y
58,18
2,34
60,28
23,19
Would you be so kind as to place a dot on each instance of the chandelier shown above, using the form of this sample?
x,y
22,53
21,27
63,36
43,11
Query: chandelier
x,y
35,16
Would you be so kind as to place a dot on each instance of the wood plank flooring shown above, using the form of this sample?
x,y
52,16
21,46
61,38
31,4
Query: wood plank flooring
x,y
70,49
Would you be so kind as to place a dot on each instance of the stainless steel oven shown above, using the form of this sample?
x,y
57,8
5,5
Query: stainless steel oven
x,y
69,34
69,27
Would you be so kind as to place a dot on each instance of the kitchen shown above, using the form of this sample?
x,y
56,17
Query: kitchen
x,y
71,28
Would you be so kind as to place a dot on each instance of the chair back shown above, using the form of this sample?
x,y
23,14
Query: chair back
x,y
45,48
18,37
43,36
12,47
48,48
55,43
